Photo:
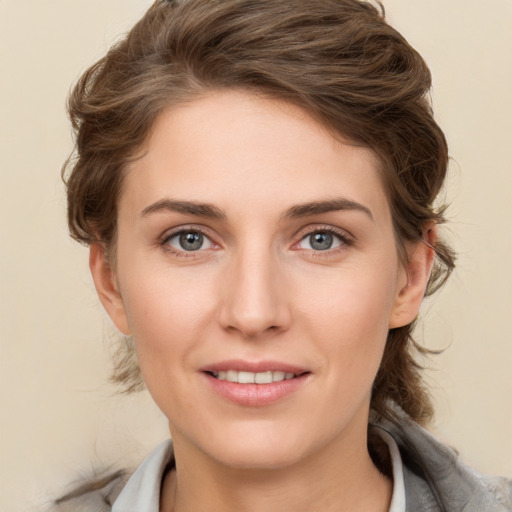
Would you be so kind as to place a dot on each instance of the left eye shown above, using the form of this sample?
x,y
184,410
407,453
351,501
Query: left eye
x,y
320,241
189,241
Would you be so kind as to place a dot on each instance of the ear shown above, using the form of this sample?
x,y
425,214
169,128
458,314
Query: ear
x,y
107,287
414,279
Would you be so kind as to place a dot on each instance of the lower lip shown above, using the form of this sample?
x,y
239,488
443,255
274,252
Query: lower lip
x,y
255,395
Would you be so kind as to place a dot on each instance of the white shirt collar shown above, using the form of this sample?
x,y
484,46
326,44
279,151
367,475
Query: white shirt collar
x,y
142,491
398,498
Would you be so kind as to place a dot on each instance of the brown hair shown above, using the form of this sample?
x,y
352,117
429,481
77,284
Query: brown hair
x,y
338,59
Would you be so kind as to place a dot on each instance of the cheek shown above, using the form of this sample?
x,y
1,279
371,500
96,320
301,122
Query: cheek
x,y
353,298
350,319
165,311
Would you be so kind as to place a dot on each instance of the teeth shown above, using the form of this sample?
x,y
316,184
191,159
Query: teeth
x,y
277,376
232,376
246,377
253,378
263,378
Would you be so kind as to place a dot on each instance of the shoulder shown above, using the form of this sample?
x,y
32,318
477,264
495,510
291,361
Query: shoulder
x,y
96,493
121,491
436,479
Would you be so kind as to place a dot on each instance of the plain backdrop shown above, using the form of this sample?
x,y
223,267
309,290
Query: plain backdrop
x,y
59,416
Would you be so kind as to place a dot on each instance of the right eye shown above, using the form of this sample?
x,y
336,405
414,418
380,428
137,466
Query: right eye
x,y
189,240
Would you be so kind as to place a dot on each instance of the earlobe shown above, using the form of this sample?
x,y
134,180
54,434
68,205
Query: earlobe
x,y
416,274
107,288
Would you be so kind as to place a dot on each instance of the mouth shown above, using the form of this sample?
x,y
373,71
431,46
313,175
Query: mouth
x,y
255,383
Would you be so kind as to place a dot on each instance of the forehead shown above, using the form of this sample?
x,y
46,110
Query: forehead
x,y
238,150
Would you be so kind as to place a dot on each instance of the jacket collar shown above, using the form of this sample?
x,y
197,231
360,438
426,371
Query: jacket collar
x,y
436,480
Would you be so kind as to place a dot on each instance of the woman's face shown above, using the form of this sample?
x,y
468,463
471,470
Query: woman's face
x,y
258,273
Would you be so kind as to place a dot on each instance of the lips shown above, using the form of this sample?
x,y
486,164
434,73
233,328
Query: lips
x,y
253,367
254,384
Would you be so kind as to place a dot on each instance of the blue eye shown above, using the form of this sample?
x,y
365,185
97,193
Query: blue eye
x,y
321,241
189,241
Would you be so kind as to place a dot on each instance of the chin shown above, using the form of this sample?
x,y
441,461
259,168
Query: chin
x,y
260,446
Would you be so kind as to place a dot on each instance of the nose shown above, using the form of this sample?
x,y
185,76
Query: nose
x,y
254,296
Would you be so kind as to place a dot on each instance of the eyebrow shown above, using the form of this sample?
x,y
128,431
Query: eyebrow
x,y
296,211
330,205
185,207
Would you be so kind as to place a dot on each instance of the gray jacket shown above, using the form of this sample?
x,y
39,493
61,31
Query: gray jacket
x,y
435,479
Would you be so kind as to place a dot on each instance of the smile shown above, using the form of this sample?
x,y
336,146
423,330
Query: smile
x,y
254,383
244,377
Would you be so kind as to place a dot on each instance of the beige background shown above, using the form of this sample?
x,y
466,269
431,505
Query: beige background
x,y
59,418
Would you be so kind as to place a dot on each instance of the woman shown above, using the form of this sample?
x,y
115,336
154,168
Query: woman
x,y
256,182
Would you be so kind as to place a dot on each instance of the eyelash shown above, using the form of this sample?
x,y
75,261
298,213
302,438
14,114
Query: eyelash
x,y
345,239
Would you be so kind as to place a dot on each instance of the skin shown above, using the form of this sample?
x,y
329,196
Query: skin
x,y
258,290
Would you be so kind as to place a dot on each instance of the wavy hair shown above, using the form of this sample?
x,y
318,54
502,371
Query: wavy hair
x,y
337,59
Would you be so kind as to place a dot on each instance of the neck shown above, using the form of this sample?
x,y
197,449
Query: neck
x,y
339,478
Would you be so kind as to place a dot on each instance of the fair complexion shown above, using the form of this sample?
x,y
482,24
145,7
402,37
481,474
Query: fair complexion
x,y
252,244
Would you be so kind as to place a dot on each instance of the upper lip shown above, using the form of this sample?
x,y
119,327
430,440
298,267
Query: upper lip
x,y
254,366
